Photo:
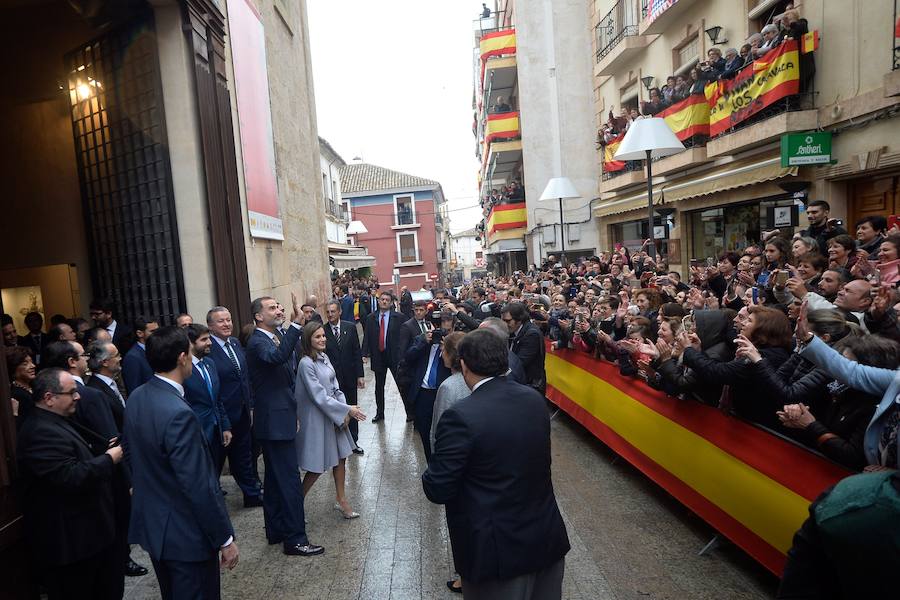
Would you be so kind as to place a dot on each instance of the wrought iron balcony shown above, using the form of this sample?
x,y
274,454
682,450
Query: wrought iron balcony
x,y
620,22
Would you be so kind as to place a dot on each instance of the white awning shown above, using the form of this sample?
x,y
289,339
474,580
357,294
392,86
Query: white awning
x,y
342,262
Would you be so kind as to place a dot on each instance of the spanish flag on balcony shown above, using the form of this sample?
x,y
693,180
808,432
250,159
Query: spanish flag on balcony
x,y
500,126
689,117
810,42
610,164
507,216
498,43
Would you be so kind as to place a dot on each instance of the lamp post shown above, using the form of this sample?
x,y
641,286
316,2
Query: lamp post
x,y
560,188
647,139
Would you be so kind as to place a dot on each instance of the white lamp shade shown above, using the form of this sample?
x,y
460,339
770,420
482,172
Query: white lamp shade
x,y
648,134
356,227
559,187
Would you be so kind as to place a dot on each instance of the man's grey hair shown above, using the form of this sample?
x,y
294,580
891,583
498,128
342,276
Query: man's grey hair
x,y
99,351
334,302
496,326
770,28
214,310
755,36
731,51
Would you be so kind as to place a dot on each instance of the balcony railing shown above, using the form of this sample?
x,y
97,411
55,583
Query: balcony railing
x,y
620,22
494,22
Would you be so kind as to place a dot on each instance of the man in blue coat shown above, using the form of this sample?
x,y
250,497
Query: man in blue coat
x,y
201,390
269,359
136,370
234,392
178,513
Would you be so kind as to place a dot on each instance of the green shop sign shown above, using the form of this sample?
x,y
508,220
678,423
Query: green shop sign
x,y
806,149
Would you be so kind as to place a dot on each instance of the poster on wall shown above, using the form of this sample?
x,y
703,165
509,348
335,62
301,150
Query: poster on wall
x,y
248,52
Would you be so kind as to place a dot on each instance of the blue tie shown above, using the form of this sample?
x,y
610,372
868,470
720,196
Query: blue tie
x,y
205,375
433,369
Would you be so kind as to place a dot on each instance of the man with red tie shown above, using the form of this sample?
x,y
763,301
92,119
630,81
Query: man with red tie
x,y
381,346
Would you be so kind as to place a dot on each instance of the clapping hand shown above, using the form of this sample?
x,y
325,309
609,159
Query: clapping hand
x,y
649,348
746,349
881,301
796,416
663,350
746,278
802,331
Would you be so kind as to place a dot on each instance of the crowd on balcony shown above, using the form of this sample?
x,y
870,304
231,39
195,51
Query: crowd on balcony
x,y
513,193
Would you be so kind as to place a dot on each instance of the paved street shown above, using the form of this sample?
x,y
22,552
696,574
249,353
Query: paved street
x,y
629,539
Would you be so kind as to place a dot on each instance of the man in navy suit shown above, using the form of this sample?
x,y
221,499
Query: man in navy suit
x,y
178,513
347,301
342,348
381,340
426,373
201,391
269,359
136,370
234,392
491,468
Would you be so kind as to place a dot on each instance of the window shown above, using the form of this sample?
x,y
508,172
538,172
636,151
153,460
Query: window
x,y
686,55
407,247
405,210
479,254
325,189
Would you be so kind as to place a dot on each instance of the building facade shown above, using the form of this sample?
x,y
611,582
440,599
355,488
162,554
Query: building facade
x,y
466,255
729,183
163,154
406,221
534,122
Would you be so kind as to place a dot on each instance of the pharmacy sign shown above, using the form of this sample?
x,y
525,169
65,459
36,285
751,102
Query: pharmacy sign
x,y
806,149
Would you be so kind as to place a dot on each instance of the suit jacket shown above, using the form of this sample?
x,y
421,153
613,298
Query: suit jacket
x,y
409,331
392,354
177,511
347,308
344,353
406,304
528,345
115,405
208,408
66,492
36,347
123,338
234,385
94,412
272,385
416,365
516,373
495,481
136,370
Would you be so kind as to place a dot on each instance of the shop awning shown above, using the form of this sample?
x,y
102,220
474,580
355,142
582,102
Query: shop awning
x,y
726,177
342,262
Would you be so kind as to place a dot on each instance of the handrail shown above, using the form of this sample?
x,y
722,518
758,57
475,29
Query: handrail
x,y
620,22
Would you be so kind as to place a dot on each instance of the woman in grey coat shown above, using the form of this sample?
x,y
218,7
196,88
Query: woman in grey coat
x,y
324,441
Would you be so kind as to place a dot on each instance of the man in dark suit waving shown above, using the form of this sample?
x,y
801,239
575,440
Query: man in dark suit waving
x,y
491,467
234,393
381,336
178,513
527,343
269,359
342,348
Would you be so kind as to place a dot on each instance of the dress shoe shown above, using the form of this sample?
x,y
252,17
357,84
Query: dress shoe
x,y
303,549
252,501
452,588
378,418
132,569
358,450
346,515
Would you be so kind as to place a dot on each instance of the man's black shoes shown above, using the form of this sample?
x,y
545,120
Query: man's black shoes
x,y
303,549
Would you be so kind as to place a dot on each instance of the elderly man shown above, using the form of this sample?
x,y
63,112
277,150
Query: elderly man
x,y
67,496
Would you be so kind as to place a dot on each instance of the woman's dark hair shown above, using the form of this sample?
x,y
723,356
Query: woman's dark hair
x,y
15,356
484,353
245,333
450,348
309,330
815,260
894,240
846,241
878,223
828,321
875,351
165,346
772,328
731,257
671,309
783,246
641,325
651,294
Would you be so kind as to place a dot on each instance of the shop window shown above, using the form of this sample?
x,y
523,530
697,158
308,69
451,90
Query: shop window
x,y
732,228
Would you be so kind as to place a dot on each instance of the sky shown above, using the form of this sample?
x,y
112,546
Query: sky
x,y
393,85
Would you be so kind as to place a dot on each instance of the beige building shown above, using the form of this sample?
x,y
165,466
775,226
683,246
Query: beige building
x,y
722,191
161,153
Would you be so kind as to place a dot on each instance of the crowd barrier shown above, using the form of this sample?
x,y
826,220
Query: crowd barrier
x,y
751,486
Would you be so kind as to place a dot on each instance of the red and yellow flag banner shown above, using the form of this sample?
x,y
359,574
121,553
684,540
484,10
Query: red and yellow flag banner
x,y
810,42
688,118
750,485
498,43
507,216
501,125
771,78
610,164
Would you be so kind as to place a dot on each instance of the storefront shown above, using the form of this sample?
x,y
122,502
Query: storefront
x,y
632,234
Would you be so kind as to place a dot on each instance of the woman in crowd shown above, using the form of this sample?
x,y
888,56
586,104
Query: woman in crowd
x,y
697,83
22,372
841,252
324,441
887,266
801,246
454,388
777,253
770,331
647,300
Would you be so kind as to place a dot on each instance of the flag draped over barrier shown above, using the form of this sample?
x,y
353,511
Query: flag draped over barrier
x,y
501,125
610,164
507,216
688,118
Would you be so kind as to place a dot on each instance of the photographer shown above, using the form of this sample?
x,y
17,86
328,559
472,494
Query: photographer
x,y
527,344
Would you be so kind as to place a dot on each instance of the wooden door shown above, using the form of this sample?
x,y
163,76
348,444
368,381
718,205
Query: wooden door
x,y
873,196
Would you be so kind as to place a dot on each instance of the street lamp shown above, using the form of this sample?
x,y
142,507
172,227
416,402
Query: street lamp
x,y
648,139
560,188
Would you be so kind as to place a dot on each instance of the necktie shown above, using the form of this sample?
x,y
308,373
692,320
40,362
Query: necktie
x,y
433,369
277,338
374,302
116,391
205,375
422,326
230,352
336,329
381,333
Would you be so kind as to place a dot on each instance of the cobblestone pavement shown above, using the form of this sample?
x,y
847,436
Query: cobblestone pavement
x,y
629,538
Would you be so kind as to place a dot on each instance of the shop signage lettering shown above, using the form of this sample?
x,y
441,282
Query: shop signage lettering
x,y
806,149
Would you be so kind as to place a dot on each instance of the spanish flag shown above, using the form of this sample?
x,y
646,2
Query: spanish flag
x,y
507,216
501,125
689,117
810,42
610,164
498,43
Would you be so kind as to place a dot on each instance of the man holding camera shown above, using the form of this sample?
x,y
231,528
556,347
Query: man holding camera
x,y
426,372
